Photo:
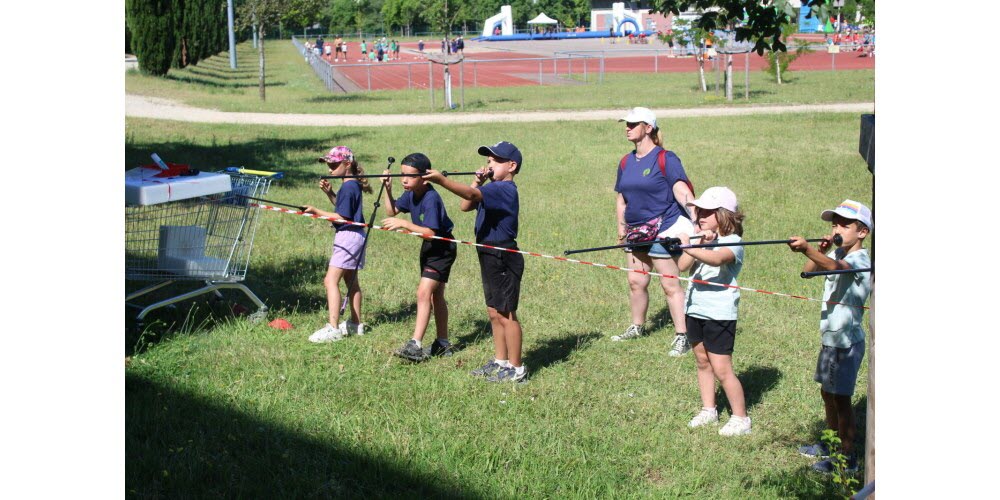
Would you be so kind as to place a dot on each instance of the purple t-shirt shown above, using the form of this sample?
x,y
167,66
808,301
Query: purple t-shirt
x,y
348,206
496,215
647,192
427,212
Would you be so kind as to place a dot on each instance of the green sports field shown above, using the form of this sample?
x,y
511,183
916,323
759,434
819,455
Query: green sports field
x,y
216,406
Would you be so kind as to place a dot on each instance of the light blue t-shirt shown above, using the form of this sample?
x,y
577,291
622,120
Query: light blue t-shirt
x,y
839,324
716,302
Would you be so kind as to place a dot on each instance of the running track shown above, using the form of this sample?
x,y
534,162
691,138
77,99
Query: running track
x,y
484,68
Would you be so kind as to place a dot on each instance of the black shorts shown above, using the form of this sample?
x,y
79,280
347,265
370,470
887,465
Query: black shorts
x,y
719,336
436,258
501,272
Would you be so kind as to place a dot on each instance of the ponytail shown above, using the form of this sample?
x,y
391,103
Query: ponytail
x,y
357,170
657,136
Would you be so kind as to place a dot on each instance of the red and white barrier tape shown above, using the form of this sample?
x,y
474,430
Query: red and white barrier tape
x,y
535,254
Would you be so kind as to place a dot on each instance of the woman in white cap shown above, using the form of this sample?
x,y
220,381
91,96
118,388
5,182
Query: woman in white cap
x,y
653,191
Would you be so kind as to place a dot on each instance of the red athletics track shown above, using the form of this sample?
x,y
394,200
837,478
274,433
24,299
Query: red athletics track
x,y
479,71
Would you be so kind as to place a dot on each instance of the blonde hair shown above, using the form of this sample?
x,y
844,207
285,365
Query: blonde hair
x,y
656,136
356,169
729,222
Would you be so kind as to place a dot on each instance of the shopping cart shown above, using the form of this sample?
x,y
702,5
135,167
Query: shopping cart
x,y
195,227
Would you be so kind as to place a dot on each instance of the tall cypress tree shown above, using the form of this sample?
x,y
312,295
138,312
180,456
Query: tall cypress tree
x,y
153,35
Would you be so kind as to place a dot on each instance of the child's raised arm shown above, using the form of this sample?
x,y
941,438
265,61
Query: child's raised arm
x,y
471,196
390,202
818,261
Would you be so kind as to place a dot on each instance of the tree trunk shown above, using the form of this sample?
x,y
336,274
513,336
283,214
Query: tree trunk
x,y
777,64
260,52
701,71
729,77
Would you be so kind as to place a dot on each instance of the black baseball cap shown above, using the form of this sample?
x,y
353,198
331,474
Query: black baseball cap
x,y
503,149
418,161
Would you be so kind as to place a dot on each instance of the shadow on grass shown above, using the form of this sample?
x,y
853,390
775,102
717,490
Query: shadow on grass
x,y
661,319
352,97
756,381
219,74
552,351
181,445
260,154
213,83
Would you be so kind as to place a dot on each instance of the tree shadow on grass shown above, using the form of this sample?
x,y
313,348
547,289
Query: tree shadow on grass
x,y
351,97
182,445
260,154
213,83
551,351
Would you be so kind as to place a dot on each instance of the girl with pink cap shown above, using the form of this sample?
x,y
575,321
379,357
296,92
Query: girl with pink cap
x,y
348,245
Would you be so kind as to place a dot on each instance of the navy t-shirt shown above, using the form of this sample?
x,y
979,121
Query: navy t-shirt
x,y
496,215
647,192
348,206
427,212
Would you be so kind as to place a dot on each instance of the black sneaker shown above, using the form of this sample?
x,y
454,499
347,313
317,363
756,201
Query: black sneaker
x,y
818,450
439,348
826,466
487,369
411,351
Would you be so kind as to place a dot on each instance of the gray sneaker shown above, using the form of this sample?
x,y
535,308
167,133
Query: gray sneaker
x,y
680,346
509,375
487,369
632,332
411,351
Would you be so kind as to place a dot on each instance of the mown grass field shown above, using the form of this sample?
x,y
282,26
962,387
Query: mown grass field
x,y
216,406
292,87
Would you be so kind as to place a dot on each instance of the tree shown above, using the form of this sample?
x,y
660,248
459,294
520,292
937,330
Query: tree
x,y
443,14
758,21
261,15
153,36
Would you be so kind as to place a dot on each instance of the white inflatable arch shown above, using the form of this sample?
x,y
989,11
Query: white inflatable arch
x,y
504,19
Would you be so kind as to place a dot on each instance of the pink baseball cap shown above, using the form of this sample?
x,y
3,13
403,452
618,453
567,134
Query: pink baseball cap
x,y
337,155
716,197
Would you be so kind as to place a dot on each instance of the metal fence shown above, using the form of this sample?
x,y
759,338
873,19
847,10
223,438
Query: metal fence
x,y
589,66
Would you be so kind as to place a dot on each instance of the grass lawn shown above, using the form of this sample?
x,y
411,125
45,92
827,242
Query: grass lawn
x,y
294,88
219,407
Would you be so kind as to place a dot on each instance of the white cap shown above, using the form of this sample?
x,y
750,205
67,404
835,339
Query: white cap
x,y
640,115
850,209
715,197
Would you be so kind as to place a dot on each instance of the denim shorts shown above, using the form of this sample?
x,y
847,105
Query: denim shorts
x,y
837,368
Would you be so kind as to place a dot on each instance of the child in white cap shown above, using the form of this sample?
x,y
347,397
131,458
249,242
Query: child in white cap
x,y
843,339
711,310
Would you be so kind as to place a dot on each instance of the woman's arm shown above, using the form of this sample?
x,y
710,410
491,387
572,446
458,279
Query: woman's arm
x,y
620,216
683,194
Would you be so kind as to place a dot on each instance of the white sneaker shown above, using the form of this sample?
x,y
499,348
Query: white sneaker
x,y
352,328
327,334
736,426
680,346
632,332
704,417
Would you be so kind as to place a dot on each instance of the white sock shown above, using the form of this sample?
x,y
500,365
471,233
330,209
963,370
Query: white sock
x,y
504,363
519,369
418,341
712,409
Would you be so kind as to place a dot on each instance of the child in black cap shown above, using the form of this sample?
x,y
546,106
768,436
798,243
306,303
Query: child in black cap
x,y
429,218
497,207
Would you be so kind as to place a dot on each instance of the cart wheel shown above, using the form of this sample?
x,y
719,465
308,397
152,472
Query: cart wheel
x,y
258,316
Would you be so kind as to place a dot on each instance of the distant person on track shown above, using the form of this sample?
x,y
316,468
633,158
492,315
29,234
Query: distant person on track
x,y
364,50
420,46
343,48
337,46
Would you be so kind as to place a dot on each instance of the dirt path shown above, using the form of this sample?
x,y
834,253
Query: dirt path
x,y
165,109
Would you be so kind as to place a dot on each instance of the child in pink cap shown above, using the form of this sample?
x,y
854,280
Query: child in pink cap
x,y
348,244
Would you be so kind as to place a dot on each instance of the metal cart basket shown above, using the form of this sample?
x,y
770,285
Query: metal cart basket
x,y
204,238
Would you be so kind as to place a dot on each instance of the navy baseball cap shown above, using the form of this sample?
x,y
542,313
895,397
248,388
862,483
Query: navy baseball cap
x,y
418,161
503,149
